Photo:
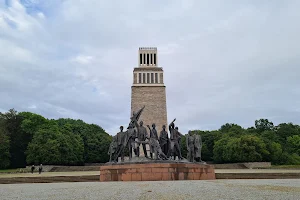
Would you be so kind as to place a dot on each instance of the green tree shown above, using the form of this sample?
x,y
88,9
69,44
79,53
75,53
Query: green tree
x,y
275,150
4,149
263,125
54,145
44,147
218,150
96,141
208,141
183,147
31,122
12,124
247,148
272,141
285,130
229,127
293,144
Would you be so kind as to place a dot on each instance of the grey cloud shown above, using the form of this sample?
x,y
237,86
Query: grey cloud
x,y
223,61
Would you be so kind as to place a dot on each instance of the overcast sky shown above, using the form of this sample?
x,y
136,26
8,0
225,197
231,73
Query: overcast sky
x,y
224,61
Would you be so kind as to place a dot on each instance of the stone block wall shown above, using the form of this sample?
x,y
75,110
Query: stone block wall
x,y
154,99
157,172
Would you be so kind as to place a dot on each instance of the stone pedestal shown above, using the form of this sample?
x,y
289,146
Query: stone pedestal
x,y
156,172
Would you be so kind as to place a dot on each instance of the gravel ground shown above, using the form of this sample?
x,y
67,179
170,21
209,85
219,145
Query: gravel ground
x,y
84,173
36,174
216,189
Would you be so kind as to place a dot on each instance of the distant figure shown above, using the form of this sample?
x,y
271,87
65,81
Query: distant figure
x,y
32,168
40,168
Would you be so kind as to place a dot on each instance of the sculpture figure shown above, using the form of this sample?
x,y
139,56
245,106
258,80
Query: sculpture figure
x,y
194,145
141,136
164,140
198,147
153,139
121,143
154,145
113,149
157,150
131,134
174,136
190,144
179,138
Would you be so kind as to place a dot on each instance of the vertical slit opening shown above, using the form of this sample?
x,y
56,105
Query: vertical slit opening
x,y
141,58
147,58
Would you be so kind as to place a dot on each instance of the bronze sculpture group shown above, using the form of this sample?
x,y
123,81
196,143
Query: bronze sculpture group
x,y
161,148
194,144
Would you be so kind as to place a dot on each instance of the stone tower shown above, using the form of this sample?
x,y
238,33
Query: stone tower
x,y
148,89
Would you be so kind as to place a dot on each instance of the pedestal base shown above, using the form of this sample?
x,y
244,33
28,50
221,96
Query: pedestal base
x,y
157,172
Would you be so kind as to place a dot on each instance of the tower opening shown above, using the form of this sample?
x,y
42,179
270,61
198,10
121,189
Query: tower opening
x,y
147,58
141,58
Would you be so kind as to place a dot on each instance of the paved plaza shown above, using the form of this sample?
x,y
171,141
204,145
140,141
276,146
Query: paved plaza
x,y
213,189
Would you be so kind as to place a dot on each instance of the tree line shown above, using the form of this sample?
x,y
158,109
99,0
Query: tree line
x,y
27,138
264,142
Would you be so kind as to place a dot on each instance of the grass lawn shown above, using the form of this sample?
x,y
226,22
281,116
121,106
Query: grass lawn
x,y
18,170
285,167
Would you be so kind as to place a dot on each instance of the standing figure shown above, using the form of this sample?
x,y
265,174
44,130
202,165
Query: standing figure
x,y
32,168
141,135
164,140
153,139
174,135
198,147
113,149
131,134
40,168
179,138
154,145
121,145
190,145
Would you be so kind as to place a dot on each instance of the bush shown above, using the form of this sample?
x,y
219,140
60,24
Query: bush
x,y
247,148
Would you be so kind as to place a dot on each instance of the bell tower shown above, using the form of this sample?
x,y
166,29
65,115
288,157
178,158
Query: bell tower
x,y
148,89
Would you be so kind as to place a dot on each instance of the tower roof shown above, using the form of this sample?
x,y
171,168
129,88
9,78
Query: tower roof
x,y
148,48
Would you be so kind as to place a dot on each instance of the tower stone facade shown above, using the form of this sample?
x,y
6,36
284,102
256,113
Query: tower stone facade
x,y
148,89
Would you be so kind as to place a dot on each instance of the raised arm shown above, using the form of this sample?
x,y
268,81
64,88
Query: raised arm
x,y
172,122
136,124
170,125
149,128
